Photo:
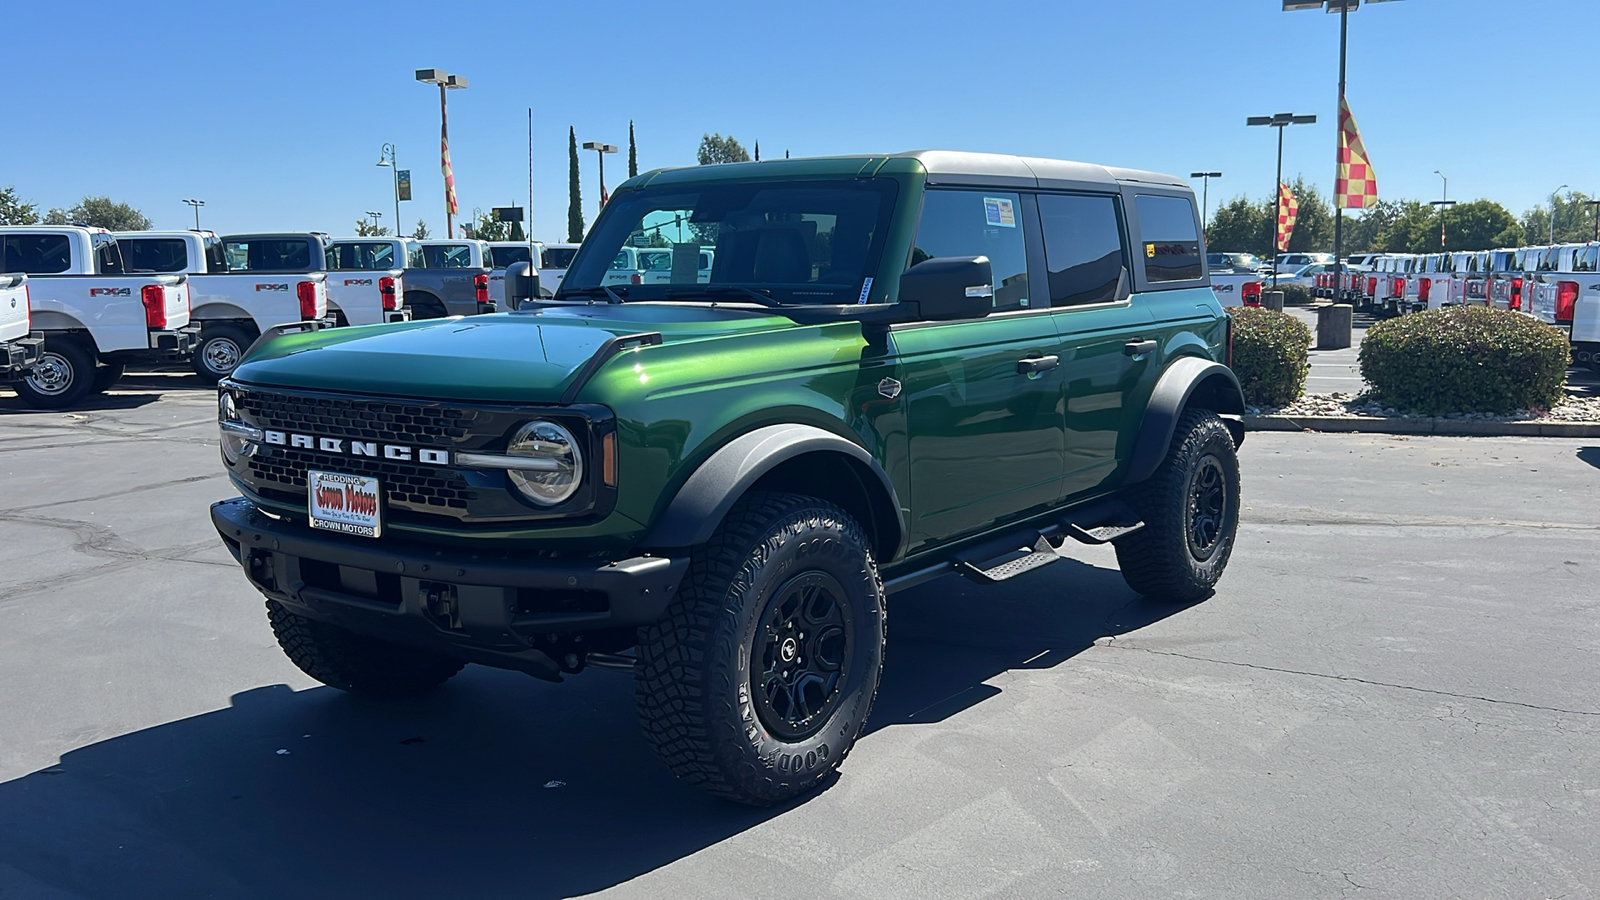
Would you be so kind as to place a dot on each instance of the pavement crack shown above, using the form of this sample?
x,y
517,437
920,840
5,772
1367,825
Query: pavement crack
x,y
156,486
1122,645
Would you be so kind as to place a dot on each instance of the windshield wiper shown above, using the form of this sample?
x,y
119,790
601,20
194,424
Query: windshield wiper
x,y
603,290
762,297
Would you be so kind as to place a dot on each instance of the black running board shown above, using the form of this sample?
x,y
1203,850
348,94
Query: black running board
x,y
1043,554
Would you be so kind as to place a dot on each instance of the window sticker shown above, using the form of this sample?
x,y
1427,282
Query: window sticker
x,y
866,289
999,211
1150,251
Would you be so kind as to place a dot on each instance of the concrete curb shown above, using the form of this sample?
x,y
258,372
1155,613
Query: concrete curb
x,y
1422,425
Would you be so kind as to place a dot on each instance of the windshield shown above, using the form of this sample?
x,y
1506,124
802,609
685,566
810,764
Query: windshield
x,y
795,241
503,257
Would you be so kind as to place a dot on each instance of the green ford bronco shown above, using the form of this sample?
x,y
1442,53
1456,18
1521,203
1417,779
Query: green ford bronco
x,y
897,368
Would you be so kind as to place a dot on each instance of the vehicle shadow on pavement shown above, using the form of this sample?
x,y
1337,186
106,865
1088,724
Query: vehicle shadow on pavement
x,y
10,403
494,785
1590,455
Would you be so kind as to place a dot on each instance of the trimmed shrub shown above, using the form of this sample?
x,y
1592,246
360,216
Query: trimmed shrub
x,y
1270,355
1295,294
1465,360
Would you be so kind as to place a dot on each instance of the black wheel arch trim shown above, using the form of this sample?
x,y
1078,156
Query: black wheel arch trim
x,y
703,502
1218,388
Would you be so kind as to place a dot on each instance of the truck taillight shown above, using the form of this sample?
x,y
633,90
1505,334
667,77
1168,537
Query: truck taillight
x,y
1516,293
1251,293
1566,300
1372,287
391,299
1422,289
307,292
636,278
154,298
480,283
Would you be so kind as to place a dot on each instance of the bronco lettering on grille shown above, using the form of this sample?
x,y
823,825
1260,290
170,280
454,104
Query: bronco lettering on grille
x,y
342,446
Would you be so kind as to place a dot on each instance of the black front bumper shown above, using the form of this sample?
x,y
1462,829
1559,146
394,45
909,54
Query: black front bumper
x,y
18,357
492,607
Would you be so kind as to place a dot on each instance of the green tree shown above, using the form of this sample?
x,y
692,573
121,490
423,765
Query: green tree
x,y
1415,230
1362,230
1241,226
574,193
714,149
633,152
365,228
758,151
16,211
488,229
515,232
1481,225
100,212
1574,220
421,233
1313,224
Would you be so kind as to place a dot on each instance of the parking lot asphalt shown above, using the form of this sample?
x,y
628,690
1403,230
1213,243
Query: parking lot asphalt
x,y
1392,694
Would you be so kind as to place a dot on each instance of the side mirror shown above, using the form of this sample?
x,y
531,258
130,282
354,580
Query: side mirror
x,y
949,287
522,284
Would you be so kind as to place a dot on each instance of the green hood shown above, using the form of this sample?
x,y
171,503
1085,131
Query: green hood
x,y
508,357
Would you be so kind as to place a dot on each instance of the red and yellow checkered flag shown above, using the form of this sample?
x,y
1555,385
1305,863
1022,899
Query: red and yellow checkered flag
x,y
1356,187
1288,210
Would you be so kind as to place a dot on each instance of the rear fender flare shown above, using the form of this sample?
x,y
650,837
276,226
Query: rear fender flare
x,y
1189,381
716,485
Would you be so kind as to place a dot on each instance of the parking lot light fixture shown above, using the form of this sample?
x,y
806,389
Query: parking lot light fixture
x,y
1594,207
1279,121
601,150
1443,205
386,157
1553,195
446,82
1205,194
196,204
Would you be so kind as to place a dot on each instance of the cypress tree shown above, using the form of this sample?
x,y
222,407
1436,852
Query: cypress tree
x,y
575,204
633,152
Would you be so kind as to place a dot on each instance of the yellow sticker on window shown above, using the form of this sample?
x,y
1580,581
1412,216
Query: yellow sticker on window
x,y
1150,251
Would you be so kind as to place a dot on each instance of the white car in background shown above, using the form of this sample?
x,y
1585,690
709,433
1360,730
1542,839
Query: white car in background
x,y
553,262
655,264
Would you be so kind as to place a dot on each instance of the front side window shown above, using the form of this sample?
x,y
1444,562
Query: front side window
x,y
978,223
35,254
557,257
813,242
504,257
154,254
268,255
1082,248
362,255
1170,236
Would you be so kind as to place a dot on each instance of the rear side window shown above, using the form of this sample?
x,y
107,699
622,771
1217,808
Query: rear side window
x,y
154,254
362,255
35,254
557,257
503,257
1171,238
268,255
977,223
110,258
1082,248
455,256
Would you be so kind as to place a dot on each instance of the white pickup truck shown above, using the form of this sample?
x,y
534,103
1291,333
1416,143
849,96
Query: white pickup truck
x,y
1550,293
95,317
1235,278
19,344
1586,307
501,255
553,264
366,279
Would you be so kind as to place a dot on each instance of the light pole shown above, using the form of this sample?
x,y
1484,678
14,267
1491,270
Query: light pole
x,y
1553,213
386,158
196,204
1343,8
1205,194
1594,207
1279,121
1443,205
375,217
601,150
1444,201
446,82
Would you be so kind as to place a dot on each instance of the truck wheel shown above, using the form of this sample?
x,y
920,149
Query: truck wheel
x,y
757,681
107,376
1190,508
356,664
424,306
221,348
63,376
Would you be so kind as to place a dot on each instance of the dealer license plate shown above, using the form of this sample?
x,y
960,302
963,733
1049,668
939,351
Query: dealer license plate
x,y
345,503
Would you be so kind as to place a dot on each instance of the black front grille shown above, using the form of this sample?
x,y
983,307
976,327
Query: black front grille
x,y
357,417
405,486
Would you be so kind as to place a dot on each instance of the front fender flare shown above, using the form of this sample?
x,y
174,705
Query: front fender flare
x,y
704,500
1210,384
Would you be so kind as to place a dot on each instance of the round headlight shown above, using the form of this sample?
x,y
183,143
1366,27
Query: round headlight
x,y
233,446
555,464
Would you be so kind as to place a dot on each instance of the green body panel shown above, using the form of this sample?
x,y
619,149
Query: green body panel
x,y
967,442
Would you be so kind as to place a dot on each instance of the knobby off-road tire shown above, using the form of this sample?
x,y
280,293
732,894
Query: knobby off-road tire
x,y
64,375
1190,507
360,665
759,678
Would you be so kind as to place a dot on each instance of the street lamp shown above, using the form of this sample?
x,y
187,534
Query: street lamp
x,y
1443,205
446,82
375,217
1444,201
1205,194
1553,213
1343,8
196,204
601,150
1279,121
386,158
1594,206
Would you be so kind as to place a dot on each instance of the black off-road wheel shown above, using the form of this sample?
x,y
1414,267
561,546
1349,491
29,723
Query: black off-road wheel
x,y
359,665
1190,507
759,678
64,375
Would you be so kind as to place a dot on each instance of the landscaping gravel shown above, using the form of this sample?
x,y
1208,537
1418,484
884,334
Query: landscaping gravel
x,y
1363,406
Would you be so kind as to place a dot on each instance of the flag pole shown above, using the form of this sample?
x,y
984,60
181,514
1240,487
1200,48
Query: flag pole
x,y
1338,144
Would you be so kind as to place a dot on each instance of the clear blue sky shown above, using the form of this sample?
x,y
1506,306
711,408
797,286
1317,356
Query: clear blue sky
x,y
274,114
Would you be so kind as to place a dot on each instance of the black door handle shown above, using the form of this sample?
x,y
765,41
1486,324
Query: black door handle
x,y
1139,348
1036,364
